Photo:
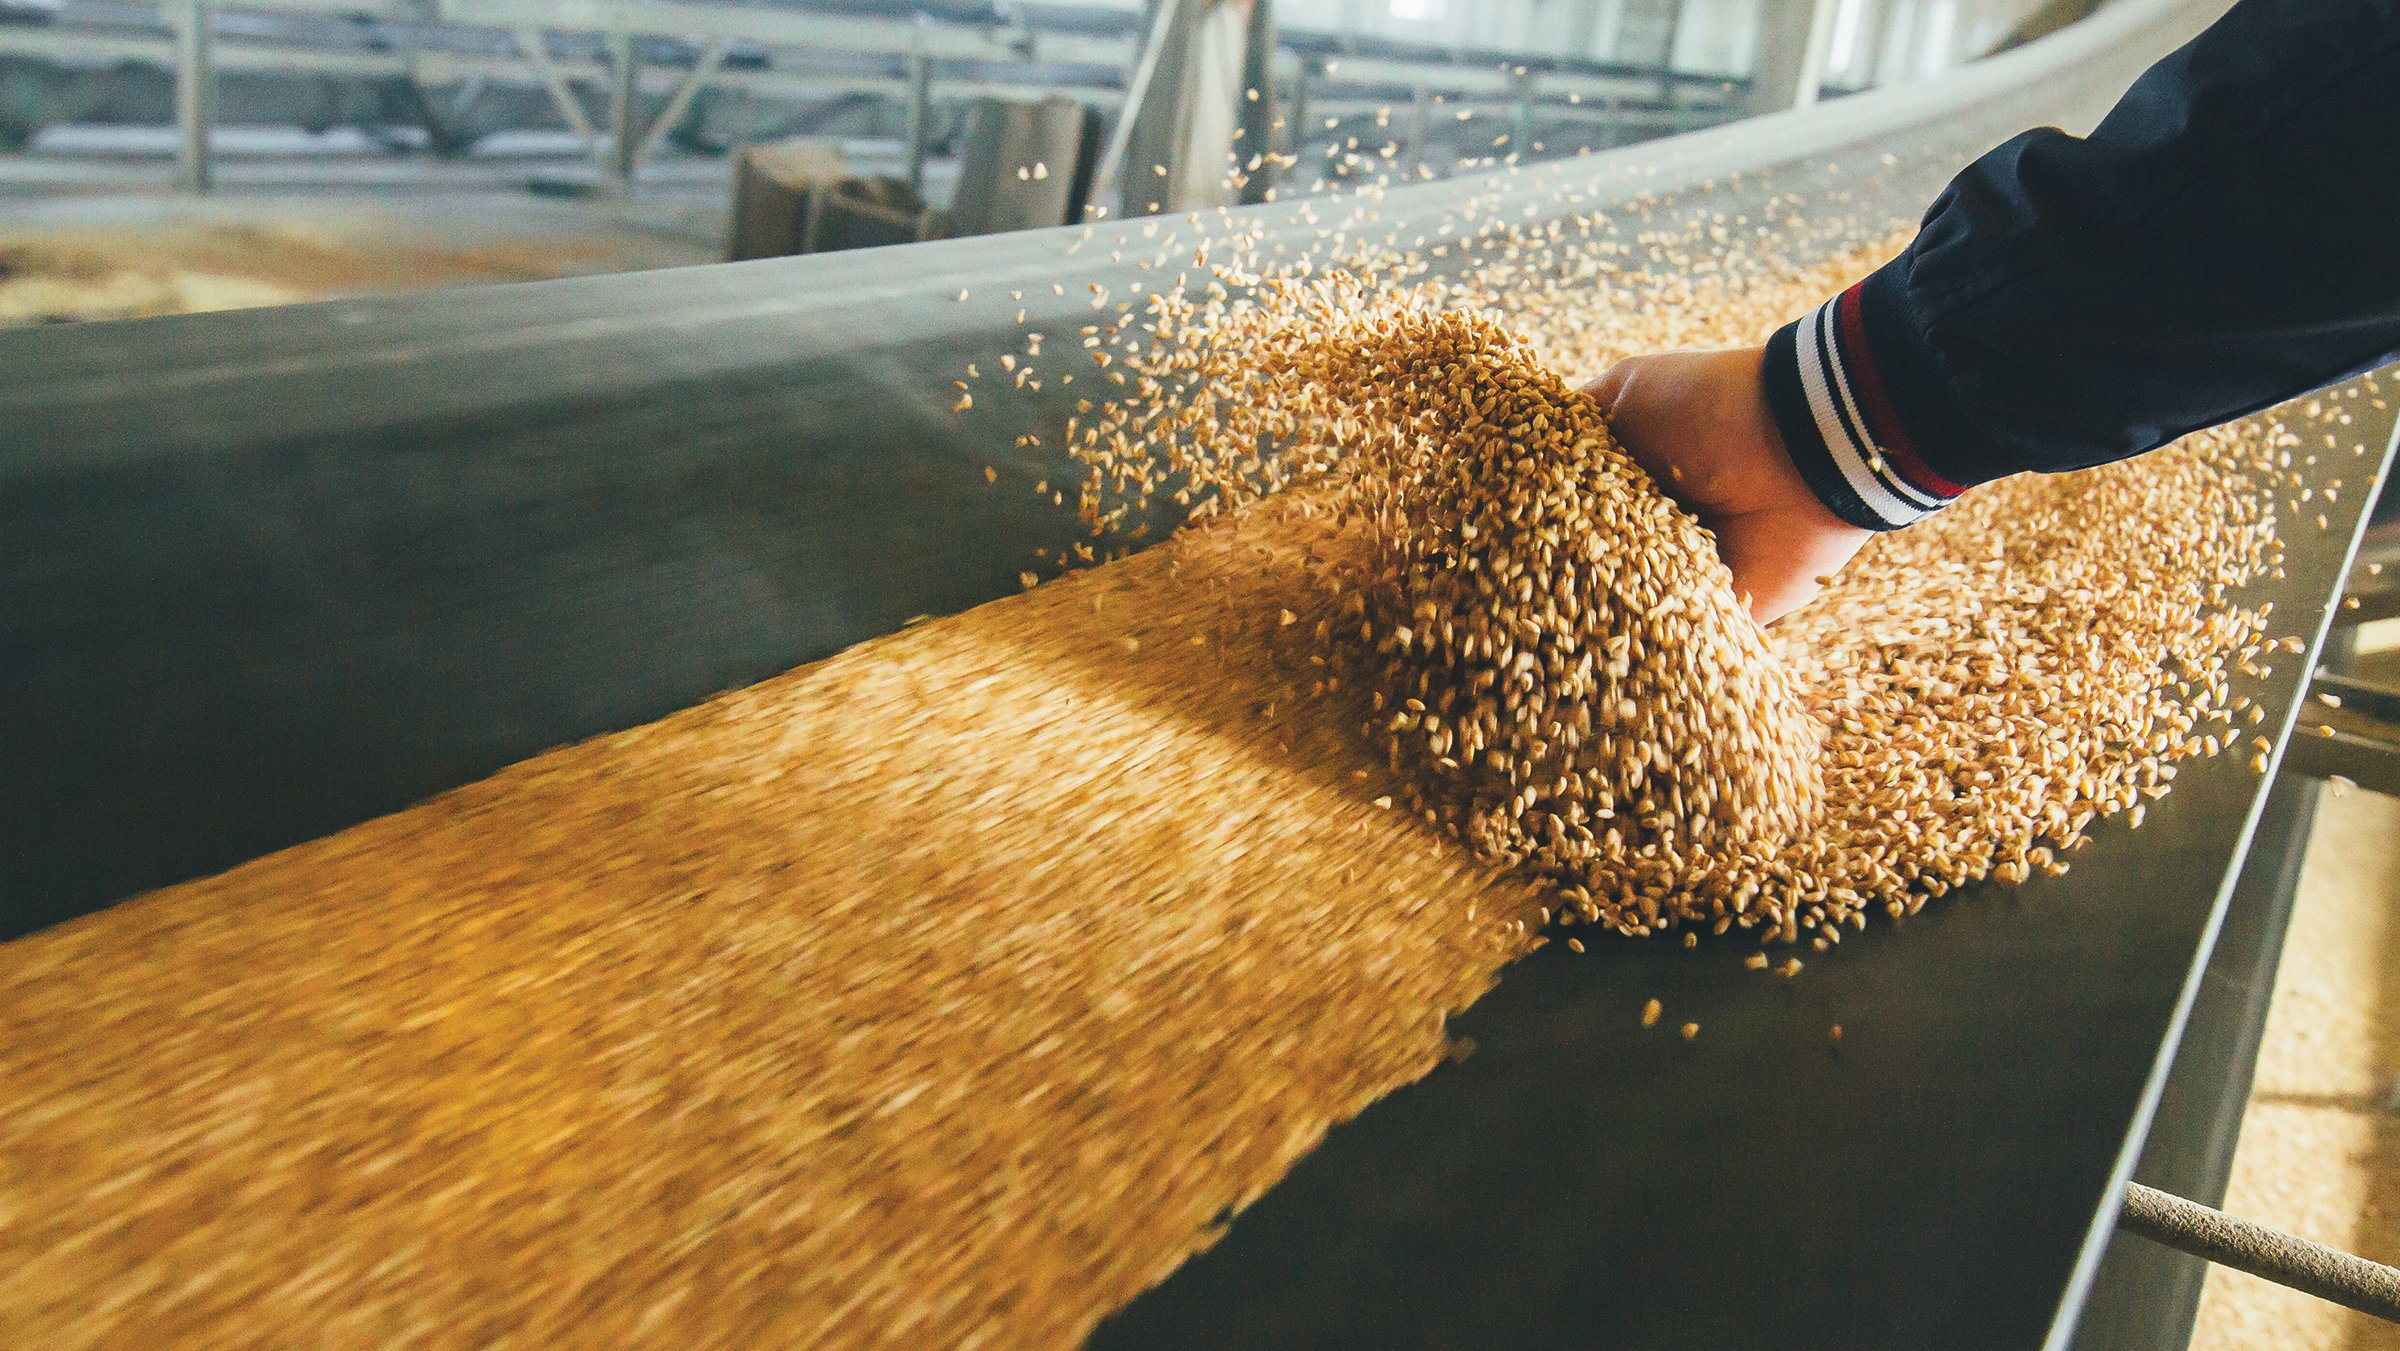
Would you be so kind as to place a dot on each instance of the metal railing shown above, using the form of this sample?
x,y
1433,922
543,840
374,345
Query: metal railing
x,y
667,52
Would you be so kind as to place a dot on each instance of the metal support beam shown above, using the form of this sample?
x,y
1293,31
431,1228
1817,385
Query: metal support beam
x,y
1111,170
711,57
1793,40
2359,698
2286,1259
1296,108
1261,100
562,94
462,101
449,52
1520,116
2365,605
1583,29
920,111
1876,45
1420,123
195,93
2367,760
1817,54
1666,50
624,111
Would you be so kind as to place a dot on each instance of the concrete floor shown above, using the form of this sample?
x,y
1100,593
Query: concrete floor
x,y
2320,1146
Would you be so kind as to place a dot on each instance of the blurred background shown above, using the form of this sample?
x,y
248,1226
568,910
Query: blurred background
x,y
189,154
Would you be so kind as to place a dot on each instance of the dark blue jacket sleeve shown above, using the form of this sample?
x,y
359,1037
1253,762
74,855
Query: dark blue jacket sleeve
x,y
2227,238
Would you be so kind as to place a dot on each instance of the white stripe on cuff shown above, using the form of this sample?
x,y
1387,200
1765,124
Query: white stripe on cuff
x,y
1848,457
1877,463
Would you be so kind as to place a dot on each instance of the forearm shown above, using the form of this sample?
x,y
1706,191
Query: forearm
x,y
2223,241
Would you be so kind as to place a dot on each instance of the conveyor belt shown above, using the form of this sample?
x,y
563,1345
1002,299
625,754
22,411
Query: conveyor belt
x,y
277,572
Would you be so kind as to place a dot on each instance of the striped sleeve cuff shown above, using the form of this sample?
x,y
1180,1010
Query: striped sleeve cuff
x,y
1837,420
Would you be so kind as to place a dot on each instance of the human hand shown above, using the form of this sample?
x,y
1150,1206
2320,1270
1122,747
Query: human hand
x,y
1699,423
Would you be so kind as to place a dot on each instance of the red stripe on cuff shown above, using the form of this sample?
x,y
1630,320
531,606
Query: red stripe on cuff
x,y
1883,421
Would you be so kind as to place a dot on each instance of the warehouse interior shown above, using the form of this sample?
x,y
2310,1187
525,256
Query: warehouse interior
x,y
698,672
439,142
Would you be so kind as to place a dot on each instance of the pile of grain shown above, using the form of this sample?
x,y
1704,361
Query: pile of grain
x,y
1556,655
1561,665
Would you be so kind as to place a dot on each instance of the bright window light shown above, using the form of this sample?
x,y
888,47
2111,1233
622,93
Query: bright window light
x,y
1846,24
1941,25
1418,10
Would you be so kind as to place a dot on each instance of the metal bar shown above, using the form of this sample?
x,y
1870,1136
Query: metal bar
x,y
711,57
1583,29
1111,169
812,218
1453,76
624,111
2331,753
388,10
195,93
456,109
562,94
436,67
2362,697
1814,57
2369,605
1297,109
777,27
1255,119
2145,1294
1392,77
1420,123
1875,47
920,111
420,105
1793,40
2286,1259
1666,51
892,36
